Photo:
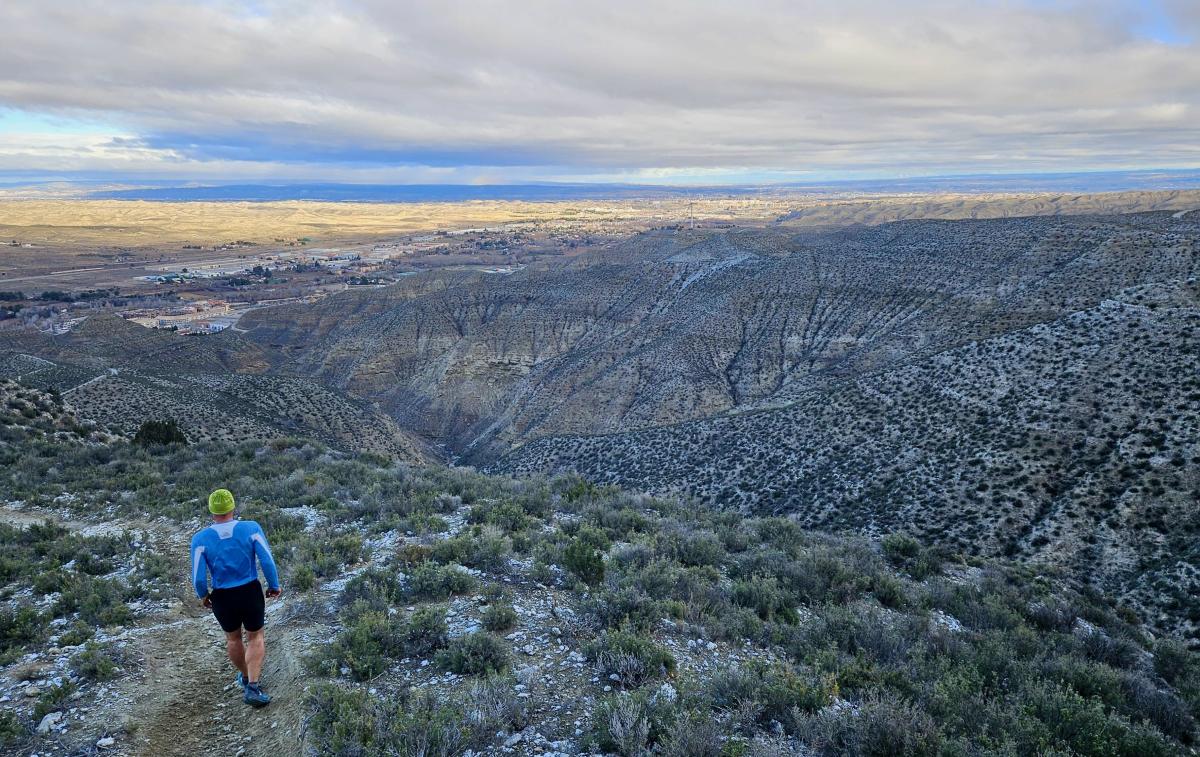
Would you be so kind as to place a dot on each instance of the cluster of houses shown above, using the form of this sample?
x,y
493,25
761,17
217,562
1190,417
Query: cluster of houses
x,y
200,317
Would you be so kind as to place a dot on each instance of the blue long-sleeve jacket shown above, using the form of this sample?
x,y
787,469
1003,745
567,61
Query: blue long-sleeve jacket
x,y
231,551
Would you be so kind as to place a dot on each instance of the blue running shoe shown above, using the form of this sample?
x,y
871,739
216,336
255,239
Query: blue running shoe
x,y
240,680
256,697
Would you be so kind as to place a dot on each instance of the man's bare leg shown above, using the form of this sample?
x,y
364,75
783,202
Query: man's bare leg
x,y
237,651
256,650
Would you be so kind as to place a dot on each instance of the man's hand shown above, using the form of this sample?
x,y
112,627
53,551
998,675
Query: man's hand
x,y
274,593
207,601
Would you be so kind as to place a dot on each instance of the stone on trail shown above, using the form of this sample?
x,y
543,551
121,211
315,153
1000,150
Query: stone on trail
x,y
49,721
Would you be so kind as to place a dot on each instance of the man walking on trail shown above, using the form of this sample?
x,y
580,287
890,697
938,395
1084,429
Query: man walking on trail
x,y
231,550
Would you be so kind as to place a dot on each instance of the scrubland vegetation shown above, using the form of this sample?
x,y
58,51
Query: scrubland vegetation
x,y
568,617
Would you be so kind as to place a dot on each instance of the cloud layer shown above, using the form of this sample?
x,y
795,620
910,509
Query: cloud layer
x,y
546,89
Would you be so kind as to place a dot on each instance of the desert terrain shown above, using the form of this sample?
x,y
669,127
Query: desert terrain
x,y
776,477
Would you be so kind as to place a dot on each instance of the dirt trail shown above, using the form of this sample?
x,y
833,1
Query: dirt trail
x,y
185,703
181,700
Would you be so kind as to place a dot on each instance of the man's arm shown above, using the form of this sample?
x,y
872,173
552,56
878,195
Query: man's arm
x,y
259,540
199,570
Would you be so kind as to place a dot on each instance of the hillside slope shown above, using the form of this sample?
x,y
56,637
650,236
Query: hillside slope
x,y
119,374
438,611
1074,442
679,325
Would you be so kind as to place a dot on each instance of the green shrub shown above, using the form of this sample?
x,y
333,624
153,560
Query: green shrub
x,y
98,602
329,557
899,548
486,549
634,659
906,552
12,733
158,567
303,579
425,631
367,644
499,617
542,573
19,628
94,663
92,564
409,554
159,432
767,693
881,726
77,633
1174,661
474,654
51,582
584,561
352,722
430,581
1083,726
693,548
371,638
445,551
626,606
508,516
376,588
765,596
889,591
52,699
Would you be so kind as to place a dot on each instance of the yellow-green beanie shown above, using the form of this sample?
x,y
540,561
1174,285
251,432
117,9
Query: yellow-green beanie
x,y
220,502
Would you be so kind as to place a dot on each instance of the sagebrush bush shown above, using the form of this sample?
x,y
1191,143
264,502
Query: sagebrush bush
x,y
634,723
584,561
474,654
12,733
695,735
367,644
425,631
431,581
499,617
352,722
492,703
19,628
635,659
98,601
881,725
768,693
95,663
622,726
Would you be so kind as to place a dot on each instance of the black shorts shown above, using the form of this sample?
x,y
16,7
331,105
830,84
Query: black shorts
x,y
240,607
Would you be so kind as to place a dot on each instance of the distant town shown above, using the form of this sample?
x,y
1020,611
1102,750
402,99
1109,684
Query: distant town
x,y
201,289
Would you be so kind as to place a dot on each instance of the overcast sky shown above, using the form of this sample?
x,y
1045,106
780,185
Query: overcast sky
x,y
617,90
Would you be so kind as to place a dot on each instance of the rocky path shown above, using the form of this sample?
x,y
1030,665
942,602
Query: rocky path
x,y
186,703
176,695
